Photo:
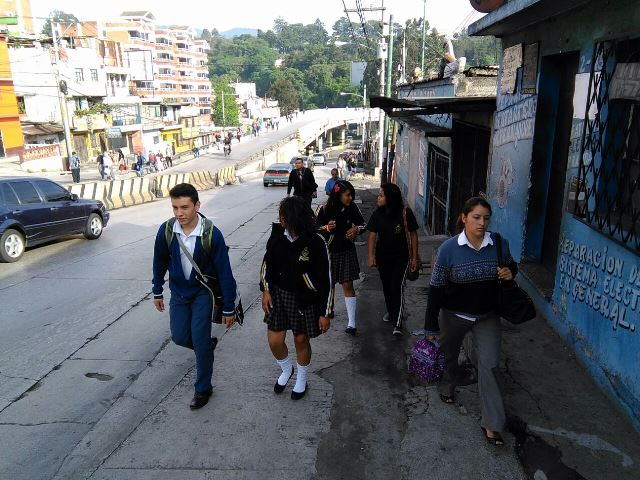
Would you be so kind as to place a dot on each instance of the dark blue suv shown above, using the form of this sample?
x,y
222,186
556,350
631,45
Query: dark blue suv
x,y
37,210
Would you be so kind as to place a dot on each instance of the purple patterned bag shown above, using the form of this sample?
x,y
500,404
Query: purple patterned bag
x,y
427,361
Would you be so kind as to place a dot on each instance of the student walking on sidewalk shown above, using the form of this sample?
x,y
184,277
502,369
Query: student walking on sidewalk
x,y
187,239
389,252
463,298
297,291
340,220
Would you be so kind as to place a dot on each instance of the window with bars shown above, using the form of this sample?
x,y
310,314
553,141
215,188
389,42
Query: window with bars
x,y
608,185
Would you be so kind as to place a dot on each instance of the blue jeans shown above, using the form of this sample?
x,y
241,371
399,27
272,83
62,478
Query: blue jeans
x,y
190,322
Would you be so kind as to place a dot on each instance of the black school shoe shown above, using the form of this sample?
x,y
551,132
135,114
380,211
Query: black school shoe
x,y
277,388
351,331
299,395
199,400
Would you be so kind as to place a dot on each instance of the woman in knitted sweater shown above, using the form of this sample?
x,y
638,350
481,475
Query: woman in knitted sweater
x,y
463,298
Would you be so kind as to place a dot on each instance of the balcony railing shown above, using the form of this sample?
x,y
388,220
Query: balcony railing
x,y
123,121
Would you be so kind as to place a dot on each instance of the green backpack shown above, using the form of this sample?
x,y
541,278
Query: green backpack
x,y
207,233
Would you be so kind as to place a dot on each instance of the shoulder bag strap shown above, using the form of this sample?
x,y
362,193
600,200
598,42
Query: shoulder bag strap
x,y
498,239
184,249
406,229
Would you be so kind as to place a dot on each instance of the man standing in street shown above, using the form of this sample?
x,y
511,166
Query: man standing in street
x,y
188,246
74,166
331,182
302,181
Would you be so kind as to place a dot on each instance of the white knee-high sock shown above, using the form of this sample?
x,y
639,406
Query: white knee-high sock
x,y
351,303
287,370
301,379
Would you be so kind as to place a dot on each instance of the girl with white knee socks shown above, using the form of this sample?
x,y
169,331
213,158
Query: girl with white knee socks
x,y
340,221
297,291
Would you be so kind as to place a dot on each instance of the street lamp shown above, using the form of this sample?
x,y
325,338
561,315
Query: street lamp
x,y
364,105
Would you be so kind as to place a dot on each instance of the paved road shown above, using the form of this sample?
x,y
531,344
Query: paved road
x,y
76,329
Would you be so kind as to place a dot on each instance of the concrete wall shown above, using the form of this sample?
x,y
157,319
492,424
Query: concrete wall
x,y
595,303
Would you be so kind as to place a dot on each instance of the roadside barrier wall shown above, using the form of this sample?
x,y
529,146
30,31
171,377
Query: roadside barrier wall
x,y
138,190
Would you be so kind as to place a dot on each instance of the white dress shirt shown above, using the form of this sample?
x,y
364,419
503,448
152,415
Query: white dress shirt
x,y
486,241
189,242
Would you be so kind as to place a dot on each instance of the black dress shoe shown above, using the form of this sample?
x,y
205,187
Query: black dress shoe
x,y
280,388
298,396
351,331
199,400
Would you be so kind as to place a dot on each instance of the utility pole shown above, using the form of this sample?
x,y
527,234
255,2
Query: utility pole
x,y
403,79
382,53
62,96
424,35
388,88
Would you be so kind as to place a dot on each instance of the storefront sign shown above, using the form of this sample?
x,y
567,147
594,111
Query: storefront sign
x,y
511,62
626,82
530,70
40,152
113,132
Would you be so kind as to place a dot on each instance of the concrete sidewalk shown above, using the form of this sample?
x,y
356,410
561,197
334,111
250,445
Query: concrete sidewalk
x,y
364,416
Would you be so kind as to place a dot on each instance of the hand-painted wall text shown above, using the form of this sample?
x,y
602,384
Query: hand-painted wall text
x,y
601,281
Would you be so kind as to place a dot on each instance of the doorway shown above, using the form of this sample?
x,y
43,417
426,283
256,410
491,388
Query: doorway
x,y
554,117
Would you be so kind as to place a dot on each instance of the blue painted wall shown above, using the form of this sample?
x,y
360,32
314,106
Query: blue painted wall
x,y
595,304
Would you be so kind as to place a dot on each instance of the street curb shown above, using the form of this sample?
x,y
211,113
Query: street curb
x,y
250,176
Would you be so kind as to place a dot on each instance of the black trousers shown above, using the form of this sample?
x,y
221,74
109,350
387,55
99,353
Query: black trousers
x,y
306,197
75,173
393,272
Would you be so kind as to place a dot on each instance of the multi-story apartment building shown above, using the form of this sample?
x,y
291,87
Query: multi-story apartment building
x,y
16,16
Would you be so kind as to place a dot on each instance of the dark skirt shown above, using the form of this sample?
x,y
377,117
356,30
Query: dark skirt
x,y
345,266
287,315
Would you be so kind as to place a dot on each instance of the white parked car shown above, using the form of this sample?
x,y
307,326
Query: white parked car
x,y
319,159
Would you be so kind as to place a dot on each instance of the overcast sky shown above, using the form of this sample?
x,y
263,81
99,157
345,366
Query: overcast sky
x,y
447,16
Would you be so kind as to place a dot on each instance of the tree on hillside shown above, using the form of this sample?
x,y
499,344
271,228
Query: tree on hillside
x,y
58,16
285,92
205,35
230,115
479,51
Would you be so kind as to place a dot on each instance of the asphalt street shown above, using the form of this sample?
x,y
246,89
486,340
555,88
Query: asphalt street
x,y
78,329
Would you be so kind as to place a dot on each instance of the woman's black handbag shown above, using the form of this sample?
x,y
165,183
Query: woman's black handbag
x,y
412,275
514,304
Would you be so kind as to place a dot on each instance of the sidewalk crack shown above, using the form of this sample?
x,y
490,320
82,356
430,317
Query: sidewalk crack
x,y
519,384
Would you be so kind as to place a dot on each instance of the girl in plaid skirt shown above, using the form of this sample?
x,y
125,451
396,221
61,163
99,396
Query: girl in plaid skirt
x,y
297,291
340,221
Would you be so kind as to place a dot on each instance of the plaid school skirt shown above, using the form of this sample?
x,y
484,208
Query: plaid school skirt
x,y
345,266
287,315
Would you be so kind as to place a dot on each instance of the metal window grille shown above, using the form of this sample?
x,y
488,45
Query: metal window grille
x,y
438,163
608,187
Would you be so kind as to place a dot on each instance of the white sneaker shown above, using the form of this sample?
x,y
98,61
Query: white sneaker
x,y
385,317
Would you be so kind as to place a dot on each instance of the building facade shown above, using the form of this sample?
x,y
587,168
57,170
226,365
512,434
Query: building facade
x,y
564,175
11,138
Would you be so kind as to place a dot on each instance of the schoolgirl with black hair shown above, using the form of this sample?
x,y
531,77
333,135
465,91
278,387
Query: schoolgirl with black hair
x,y
340,221
297,291
389,227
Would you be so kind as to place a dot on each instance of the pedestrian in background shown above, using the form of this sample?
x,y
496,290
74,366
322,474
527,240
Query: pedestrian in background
x,y
302,182
389,252
108,169
340,221
190,236
340,166
328,187
297,292
463,297
74,166
100,161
